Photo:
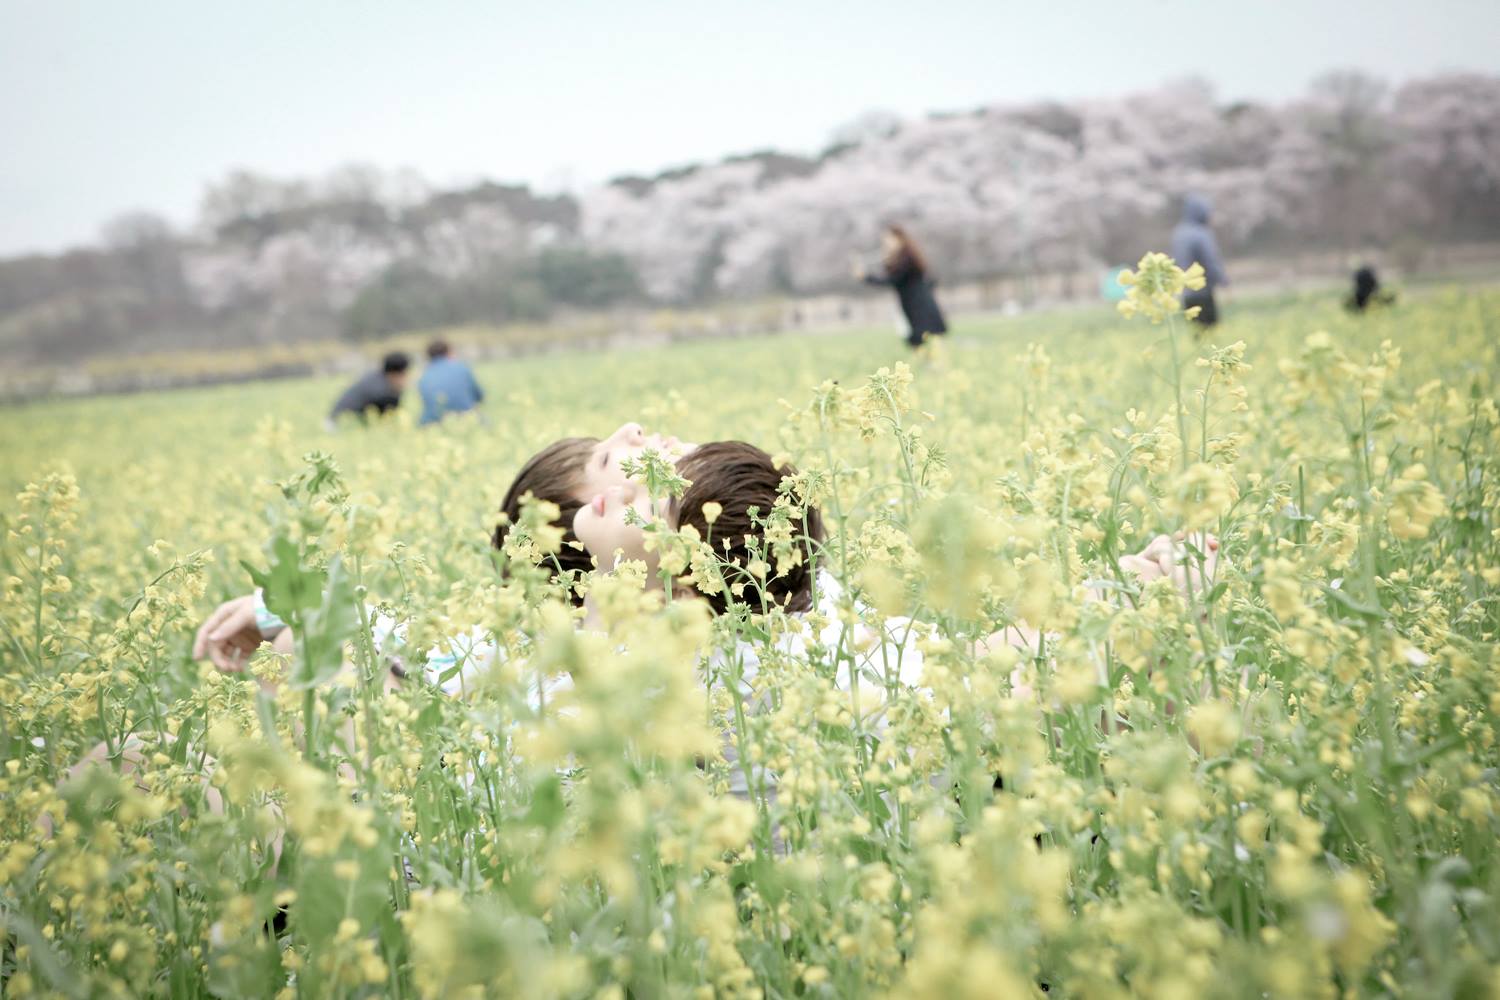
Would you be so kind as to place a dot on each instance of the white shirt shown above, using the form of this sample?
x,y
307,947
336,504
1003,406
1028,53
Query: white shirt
x,y
878,657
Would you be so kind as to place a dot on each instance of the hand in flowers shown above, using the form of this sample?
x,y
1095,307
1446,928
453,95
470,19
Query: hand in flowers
x,y
229,635
1170,556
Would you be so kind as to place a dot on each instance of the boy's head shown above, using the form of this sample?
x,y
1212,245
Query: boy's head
x,y
739,477
438,349
728,480
395,365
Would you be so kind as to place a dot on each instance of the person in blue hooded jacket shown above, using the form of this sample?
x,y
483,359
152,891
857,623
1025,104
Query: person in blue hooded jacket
x,y
447,384
1193,243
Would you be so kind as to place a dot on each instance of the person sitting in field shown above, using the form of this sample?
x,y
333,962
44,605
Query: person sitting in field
x,y
447,385
379,390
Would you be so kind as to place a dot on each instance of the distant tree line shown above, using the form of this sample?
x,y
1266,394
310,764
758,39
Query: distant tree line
x,y
1000,190
409,295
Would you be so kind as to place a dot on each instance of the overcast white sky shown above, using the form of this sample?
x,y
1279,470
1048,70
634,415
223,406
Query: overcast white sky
x,y
111,105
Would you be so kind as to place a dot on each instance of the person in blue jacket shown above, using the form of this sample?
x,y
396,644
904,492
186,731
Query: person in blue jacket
x,y
1193,243
447,384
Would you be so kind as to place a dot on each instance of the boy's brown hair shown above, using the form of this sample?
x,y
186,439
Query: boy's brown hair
x,y
552,474
738,477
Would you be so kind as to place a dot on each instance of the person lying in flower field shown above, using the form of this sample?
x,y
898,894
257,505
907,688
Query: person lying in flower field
x,y
605,516
718,519
720,525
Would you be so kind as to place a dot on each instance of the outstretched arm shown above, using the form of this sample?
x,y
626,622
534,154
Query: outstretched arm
x,y
1166,556
238,627
891,277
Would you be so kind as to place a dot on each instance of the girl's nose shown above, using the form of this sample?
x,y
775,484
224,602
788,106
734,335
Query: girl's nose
x,y
621,436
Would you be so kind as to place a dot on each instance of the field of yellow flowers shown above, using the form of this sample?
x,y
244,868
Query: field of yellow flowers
x,y
1279,783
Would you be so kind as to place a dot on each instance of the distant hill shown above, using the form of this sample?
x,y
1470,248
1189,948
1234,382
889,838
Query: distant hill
x,y
1002,189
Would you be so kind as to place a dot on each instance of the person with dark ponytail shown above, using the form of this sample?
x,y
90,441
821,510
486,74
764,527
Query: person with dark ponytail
x,y
905,269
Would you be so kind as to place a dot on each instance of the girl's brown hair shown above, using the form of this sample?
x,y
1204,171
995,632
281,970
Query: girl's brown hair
x,y
552,474
906,256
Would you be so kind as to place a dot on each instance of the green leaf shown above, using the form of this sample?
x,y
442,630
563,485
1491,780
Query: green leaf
x,y
287,587
44,957
326,628
246,967
324,899
547,806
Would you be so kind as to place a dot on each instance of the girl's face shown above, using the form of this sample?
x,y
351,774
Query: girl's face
x,y
603,469
603,525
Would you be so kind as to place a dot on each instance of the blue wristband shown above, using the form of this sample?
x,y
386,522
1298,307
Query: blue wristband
x,y
265,619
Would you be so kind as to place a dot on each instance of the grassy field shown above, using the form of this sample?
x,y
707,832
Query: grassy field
x,y
1283,783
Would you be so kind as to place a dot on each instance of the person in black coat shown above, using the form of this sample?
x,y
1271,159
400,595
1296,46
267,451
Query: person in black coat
x,y
379,390
905,270
1367,291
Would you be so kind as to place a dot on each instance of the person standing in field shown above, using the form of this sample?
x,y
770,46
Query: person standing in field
x,y
904,268
447,385
380,390
1367,291
1193,243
